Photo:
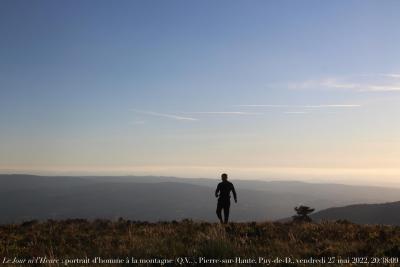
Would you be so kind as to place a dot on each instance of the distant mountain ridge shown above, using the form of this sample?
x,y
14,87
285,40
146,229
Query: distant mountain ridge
x,y
152,198
382,213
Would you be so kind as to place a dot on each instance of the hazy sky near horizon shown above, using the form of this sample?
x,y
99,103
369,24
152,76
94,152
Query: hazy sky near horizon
x,y
260,89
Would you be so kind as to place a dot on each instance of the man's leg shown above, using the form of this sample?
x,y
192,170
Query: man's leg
x,y
226,212
219,211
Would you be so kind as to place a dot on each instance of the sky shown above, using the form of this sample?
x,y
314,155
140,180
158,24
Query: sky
x,y
294,90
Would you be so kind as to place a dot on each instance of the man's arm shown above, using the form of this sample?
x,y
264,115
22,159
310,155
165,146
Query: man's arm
x,y
234,193
217,190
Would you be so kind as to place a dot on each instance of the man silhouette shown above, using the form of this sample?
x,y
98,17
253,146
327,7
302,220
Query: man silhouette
x,y
223,191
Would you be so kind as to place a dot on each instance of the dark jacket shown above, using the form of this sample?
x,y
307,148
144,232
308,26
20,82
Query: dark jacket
x,y
223,191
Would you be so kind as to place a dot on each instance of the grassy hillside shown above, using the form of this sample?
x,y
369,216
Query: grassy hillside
x,y
78,241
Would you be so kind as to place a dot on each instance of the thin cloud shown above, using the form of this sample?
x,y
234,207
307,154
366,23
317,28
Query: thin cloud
x,y
305,106
266,106
382,82
391,75
137,122
226,113
296,112
323,83
380,88
165,115
334,106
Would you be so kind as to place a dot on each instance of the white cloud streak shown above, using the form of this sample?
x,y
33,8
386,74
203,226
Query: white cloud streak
x,y
334,106
137,122
165,115
226,113
391,75
244,113
380,88
296,112
382,82
305,106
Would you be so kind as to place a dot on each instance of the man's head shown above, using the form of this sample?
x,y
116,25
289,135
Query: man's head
x,y
224,177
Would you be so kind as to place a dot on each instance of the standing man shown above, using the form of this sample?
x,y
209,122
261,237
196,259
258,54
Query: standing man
x,y
223,191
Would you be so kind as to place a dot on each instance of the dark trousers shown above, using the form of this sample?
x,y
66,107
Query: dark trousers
x,y
223,204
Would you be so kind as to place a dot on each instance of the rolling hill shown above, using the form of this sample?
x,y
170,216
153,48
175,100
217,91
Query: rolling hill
x,y
383,213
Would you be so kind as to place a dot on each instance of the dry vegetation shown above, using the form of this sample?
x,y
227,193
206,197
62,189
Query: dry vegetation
x,y
78,238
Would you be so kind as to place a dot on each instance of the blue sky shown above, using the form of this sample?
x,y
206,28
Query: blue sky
x,y
259,89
